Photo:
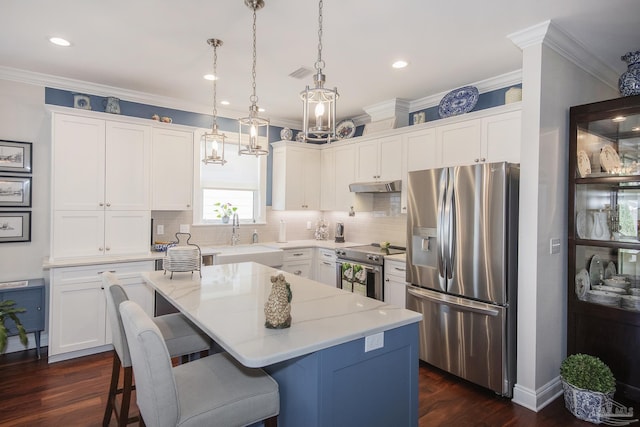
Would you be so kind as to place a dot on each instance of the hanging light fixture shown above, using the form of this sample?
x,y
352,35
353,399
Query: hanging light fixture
x,y
251,126
213,141
319,103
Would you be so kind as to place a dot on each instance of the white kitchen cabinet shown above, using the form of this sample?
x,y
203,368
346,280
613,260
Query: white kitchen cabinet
x,y
395,285
296,177
325,270
298,262
420,152
489,139
101,194
379,159
78,319
172,170
345,164
328,179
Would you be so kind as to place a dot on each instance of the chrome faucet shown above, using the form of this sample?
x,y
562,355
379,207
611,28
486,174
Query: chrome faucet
x,y
235,231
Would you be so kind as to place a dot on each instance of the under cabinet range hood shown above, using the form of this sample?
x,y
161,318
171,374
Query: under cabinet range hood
x,y
376,187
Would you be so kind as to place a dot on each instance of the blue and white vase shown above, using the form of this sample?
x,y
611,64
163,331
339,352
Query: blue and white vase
x,y
629,82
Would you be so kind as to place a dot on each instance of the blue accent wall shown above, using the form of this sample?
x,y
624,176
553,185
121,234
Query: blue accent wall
x,y
64,98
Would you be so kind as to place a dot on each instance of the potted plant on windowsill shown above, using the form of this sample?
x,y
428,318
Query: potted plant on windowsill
x,y
8,311
588,386
224,211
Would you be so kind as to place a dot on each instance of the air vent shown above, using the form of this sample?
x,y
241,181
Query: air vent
x,y
301,73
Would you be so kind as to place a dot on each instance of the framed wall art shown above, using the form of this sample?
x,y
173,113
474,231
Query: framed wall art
x,y
15,156
15,227
15,191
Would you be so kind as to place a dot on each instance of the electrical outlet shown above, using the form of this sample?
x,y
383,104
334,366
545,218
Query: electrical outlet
x,y
184,228
374,341
308,225
554,246
160,230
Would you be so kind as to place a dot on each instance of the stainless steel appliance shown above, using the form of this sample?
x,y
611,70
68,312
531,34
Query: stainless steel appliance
x,y
462,230
339,232
371,259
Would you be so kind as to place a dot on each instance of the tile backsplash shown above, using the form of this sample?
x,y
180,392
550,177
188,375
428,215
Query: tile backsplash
x,y
384,223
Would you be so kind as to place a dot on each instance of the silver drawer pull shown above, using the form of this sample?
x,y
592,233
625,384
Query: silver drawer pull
x,y
400,269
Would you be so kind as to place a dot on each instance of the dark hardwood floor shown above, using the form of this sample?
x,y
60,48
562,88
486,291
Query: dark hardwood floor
x,y
72,393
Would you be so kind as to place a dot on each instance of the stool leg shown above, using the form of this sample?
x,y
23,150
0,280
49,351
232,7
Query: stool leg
x,y
126,396
113,387
271,422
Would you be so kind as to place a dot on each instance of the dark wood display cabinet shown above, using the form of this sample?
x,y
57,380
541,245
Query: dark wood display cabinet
x,y
604,238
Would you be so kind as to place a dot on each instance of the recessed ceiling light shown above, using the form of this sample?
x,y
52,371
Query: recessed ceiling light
x,y
59,41
210,77
224,102
400,64
619,119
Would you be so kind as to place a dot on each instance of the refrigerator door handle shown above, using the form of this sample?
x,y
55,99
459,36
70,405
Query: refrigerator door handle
x,y
441,225
452,226
461,303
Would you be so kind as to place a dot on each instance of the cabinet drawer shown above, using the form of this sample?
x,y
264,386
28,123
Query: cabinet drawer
x,y
326,255
396,269
128,269
296,254
300,268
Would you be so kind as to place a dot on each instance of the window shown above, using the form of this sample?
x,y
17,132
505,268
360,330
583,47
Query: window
x,y
240,182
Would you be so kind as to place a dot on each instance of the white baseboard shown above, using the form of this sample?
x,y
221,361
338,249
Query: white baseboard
x,y
537,399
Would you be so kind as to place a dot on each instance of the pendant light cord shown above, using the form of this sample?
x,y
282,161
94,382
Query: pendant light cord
x,y
254,98
215,78
320,62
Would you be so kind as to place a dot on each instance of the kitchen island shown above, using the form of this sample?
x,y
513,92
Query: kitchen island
x,y
346,360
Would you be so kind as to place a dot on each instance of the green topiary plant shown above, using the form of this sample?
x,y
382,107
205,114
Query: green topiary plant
x,y
588,373
7,310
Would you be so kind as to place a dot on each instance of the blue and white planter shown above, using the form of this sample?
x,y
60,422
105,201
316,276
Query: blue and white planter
x,y
587,405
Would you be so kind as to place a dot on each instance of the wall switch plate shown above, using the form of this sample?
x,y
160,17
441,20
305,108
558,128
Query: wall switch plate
x,y
308,225
374,341
184,228
160,230
554,246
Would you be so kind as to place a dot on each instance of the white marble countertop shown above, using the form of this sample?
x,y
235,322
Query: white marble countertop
x,y
228,304
398,257
310,243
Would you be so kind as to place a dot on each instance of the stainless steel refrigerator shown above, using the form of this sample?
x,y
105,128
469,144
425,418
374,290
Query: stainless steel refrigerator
x,y
462,238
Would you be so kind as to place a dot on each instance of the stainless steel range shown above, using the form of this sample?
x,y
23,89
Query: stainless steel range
x,y
360,269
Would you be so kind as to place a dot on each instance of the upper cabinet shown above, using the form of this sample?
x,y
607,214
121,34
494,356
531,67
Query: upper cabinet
x,y
488,139
296,176
172,169
100,164
379,159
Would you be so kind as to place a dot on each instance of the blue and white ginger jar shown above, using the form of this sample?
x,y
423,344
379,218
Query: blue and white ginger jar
x,y
629,82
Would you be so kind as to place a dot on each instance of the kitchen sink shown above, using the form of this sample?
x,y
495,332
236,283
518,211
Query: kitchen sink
x,y
261,254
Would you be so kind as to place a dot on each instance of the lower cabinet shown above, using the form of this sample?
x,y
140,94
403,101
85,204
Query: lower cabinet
x,y
325,271
395,285
298,262
78,319
31,299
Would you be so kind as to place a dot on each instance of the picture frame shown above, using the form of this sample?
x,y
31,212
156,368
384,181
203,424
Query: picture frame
x,y
15,156
15,191
15,226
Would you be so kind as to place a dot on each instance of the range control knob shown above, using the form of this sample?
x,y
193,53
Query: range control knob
x,y
372,257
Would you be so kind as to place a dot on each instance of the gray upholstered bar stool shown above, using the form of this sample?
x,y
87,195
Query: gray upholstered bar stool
x,y
180,335
212,391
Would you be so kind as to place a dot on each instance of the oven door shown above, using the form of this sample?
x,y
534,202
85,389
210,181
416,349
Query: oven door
x,y
372,287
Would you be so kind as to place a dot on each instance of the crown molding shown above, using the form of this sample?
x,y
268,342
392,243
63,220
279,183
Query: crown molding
x,y
564,44
494,83
80,86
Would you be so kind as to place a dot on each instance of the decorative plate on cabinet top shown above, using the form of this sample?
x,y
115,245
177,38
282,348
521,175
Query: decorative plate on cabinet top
x,y
609,159
345,129
582,284
584,165
458,101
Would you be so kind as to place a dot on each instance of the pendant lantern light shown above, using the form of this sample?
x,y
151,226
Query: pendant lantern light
x,y
252,127
319,113
213,141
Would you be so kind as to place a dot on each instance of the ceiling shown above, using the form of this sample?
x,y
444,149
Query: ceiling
x,y
158,47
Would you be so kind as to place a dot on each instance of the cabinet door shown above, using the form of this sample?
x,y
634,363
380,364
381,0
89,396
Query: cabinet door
x,y
78,317
127,166
345,163
395,292
390,158
127,232
78,163
328,179
172,170
420,153
300,268
501,137
31,298
311,173
367,161
296,172
459,143
77,233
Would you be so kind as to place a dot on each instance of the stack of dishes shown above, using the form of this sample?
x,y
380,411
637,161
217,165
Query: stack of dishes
x,y
635,291
182,258
618,282
604,298
630,302
612,289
